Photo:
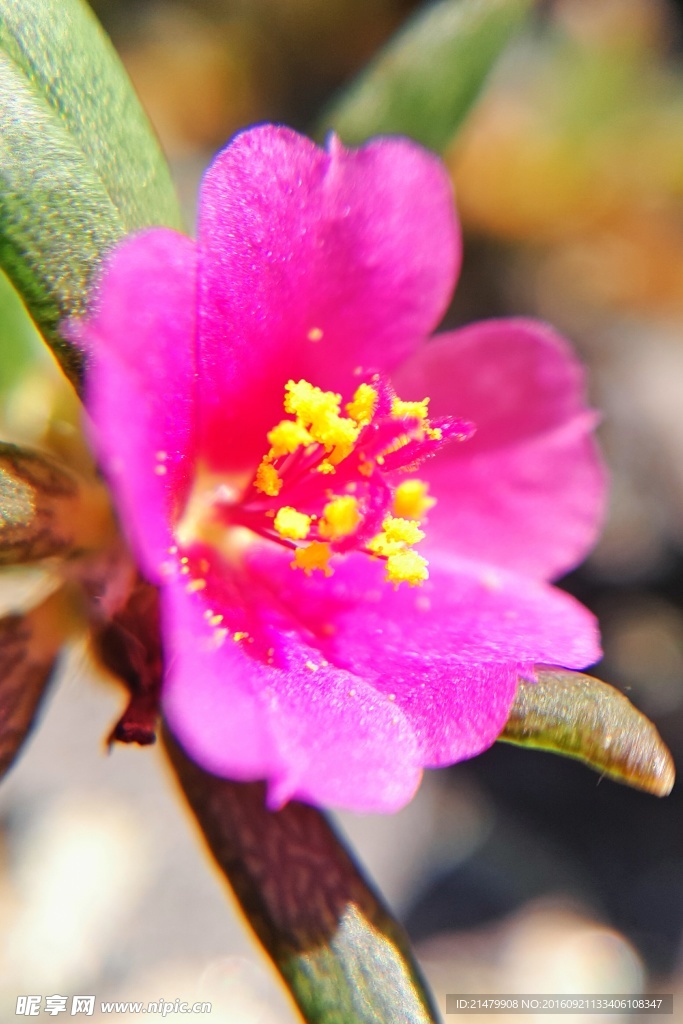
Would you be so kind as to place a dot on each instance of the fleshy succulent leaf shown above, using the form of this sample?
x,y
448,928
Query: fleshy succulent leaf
x,y
79,165
425,80
576,715
343,957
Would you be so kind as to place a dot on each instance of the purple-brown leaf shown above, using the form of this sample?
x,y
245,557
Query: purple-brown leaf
x,y
29,646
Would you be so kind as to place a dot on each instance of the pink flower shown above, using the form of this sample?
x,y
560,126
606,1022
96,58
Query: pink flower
x,y
306,301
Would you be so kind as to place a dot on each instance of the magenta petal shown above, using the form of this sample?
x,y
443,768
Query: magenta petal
x,y
316,732
313,263
527,492
139,383
448,654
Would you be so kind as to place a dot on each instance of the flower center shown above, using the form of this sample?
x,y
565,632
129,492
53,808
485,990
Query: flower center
x,y
332,481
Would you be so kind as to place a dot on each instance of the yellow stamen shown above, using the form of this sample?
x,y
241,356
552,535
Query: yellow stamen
x,y
267,479
338,435
416,410
239,636
317,419
411,500
310,403
292,524
362,408
340,518
405,530
286,438
407,567
395,536
315,555
318,411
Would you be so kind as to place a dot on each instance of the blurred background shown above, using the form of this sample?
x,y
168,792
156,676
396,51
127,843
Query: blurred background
x,y
517,871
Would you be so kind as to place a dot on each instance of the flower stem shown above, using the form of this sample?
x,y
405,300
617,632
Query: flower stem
x,y
342,955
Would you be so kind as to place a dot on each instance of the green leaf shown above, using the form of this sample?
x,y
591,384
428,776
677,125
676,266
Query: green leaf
x,y
425,80
21,344
79,165
579,716
342,955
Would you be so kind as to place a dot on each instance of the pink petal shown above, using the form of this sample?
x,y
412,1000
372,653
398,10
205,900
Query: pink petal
x,y
140,341
269,705
527,492
448,654
361,245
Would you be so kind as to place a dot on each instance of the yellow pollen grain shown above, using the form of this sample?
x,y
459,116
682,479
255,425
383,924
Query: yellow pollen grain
x,y
379,545
286,437
315,334
215,620
194,585
434,433
326,467
416,410
315,555
319,412
292,524
338,435
309,402
240,636
407,567
362,407
411,500
395,536
405,530
267,479
340,518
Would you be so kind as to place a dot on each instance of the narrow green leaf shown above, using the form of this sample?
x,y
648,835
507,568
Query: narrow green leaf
x,y
342,955
426,79
79,164
579,716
